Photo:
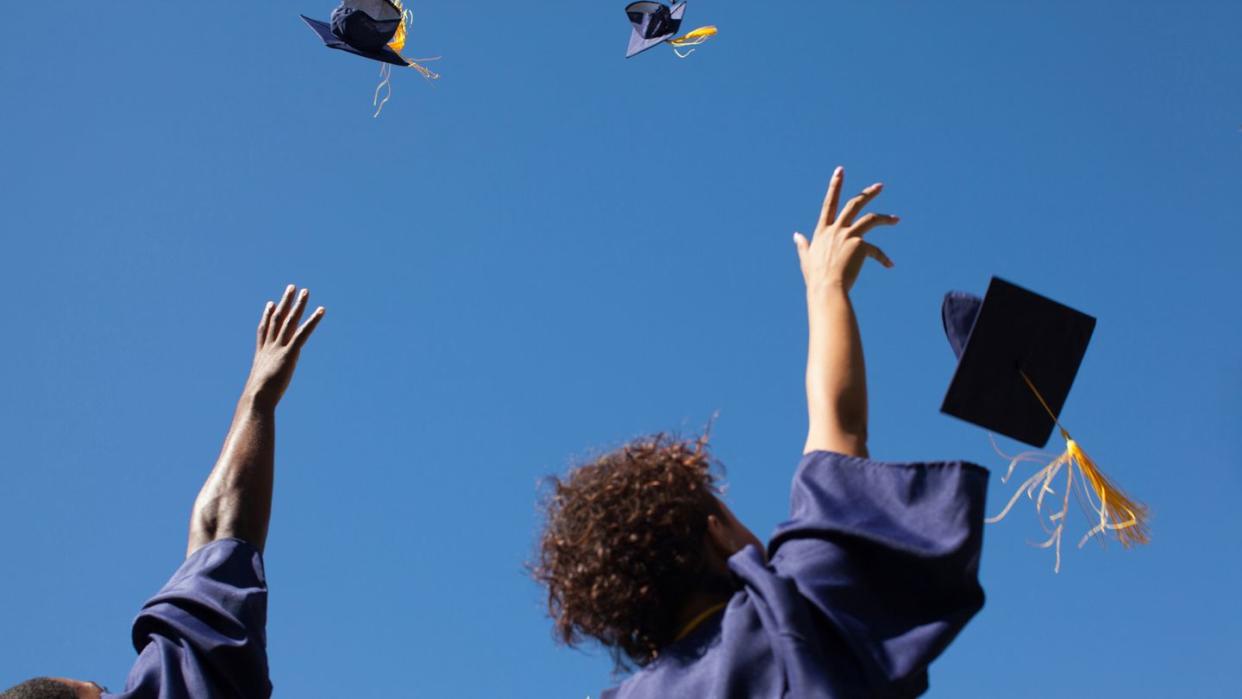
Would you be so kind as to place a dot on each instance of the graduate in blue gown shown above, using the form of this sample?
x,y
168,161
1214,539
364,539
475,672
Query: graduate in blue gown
x,y
868,581
204,634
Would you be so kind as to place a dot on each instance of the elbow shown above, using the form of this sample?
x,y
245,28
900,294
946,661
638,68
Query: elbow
x,y
853,444
203,526
850,433
852,422
836,436
204,523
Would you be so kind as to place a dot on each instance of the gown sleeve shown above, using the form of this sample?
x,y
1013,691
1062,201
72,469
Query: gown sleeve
x,y
204,634
887,554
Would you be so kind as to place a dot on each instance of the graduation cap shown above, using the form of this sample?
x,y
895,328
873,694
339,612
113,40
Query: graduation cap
x,y
374,29
1018,353
363,28
654,23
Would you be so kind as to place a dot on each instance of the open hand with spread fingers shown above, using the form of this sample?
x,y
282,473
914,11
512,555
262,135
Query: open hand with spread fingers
x,y
278,343
835,253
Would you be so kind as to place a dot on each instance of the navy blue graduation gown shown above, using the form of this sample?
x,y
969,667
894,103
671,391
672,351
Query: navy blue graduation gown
x,y
872,576
204,635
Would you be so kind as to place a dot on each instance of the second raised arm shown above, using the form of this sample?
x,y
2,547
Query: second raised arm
x,y
836,381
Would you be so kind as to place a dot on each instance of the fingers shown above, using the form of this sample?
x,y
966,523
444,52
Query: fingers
x,y
294,316
264,321
877,254
304,332
828,213
869,221
855,205
278,316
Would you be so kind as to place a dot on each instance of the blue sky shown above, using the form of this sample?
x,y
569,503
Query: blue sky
x,y
553,249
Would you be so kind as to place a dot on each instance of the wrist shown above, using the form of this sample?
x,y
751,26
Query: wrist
x,y
819,293
254,402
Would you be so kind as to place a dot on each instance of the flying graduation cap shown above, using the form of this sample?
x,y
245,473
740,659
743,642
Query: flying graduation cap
x,y
655,23
1018,353
374,29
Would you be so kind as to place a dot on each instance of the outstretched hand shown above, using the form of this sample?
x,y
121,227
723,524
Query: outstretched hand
x,y
279,340
835,253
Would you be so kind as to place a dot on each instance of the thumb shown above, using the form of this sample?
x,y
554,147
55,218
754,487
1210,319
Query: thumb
x,y
800,243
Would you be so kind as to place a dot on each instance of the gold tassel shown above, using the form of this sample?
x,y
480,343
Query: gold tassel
x,y
692,38
398,39
1114,510
397,44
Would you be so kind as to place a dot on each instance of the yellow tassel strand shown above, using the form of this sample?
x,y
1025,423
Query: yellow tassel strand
x,y
1104,501
692,38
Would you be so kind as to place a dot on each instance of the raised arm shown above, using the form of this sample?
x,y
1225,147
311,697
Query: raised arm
x,y
236,500
836,381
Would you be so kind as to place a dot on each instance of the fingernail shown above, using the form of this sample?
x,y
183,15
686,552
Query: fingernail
x,y
838,172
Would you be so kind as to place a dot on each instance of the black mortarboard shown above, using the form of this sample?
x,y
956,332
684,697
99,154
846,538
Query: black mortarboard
x,y
1018,353
363,28
653,23
1009,333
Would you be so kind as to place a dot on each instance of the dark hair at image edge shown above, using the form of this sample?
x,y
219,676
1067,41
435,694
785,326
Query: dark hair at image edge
x,y
623,544
39,688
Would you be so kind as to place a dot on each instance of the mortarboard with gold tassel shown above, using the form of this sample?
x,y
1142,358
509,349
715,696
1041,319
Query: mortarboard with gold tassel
x,y
654,23
374,29
1018,353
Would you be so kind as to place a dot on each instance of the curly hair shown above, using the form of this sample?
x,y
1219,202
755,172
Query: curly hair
x,y
623,544
40,688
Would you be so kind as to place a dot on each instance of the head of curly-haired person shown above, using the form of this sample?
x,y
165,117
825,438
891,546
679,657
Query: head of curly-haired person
x,y
635,547
52,688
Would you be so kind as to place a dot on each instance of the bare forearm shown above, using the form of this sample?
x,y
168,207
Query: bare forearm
x,y
236,500
836,381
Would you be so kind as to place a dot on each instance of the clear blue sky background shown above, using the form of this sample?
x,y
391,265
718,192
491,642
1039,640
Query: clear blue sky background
x,y
553,249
